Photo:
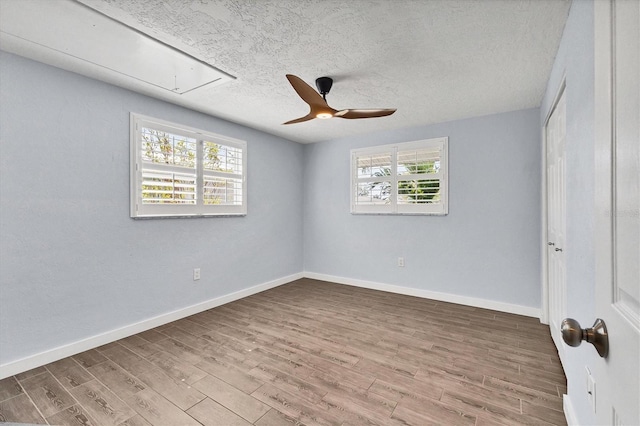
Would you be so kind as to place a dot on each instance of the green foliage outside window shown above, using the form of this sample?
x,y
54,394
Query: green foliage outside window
x,y
417,191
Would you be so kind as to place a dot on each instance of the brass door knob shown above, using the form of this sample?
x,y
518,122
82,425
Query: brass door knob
x,y
573,335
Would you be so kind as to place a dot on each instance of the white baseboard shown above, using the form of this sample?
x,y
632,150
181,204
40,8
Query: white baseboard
x,y
74,348
427,294
569,413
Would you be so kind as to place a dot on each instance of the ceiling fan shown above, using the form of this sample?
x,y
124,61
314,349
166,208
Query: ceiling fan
x,y
318,102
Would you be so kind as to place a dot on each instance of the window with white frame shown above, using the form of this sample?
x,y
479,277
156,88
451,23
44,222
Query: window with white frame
x,y
178,171
403,178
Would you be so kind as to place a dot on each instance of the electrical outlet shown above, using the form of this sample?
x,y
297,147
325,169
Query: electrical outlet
x,y
401,262
196,274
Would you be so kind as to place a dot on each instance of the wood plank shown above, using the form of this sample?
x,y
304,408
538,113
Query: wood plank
x,y
363,404
108,346
488,420
210,348
140,346
69,372
210,413
232,398
433,411
276,418
535,397
539,363
102,404
282,358
536,411
30,373
89,358
410,417
47,394
9,388
220,340
181,394
469,404
441,374
152,336
229,373
20,409
190,326
543,374
387,369
315,366
74,415
528,380
118,380
292,384
295,407
496,396
136,420
181,350
174,367
405,387
157,410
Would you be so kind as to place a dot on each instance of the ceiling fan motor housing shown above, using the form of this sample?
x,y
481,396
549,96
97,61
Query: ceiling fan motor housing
x,y
324,84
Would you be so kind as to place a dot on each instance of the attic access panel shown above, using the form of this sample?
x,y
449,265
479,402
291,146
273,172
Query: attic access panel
x,y
98,43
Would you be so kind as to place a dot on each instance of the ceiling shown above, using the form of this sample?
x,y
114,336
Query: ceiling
x,y
433,60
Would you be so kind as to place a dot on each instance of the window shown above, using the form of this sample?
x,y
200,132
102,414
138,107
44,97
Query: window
x,y
179,171
404,178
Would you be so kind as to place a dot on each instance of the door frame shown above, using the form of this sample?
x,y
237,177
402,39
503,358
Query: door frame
x,y
544,238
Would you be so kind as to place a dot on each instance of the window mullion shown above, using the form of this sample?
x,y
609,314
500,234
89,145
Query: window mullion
x,y
199,174
394,179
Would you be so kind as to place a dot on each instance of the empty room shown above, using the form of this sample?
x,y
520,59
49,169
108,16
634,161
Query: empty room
x,y
320,212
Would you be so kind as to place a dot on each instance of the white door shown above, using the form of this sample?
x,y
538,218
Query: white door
x,y
555,131
617,206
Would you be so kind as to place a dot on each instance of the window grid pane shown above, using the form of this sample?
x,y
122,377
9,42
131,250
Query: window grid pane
x,y
418,191
165,148
222,191
419,161
373,193
222,158
374,165
159,187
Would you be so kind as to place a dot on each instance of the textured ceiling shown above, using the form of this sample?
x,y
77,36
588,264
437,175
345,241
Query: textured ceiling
x,y
433,60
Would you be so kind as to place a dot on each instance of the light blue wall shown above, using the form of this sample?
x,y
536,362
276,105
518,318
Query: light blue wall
x,y
487,247
575,59
72,262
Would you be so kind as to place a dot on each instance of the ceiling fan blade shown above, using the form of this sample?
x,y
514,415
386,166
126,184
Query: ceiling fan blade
x,y
364,113
301,119
306,92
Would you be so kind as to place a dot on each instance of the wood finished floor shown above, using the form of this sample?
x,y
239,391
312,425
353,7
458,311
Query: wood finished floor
x,y
312,353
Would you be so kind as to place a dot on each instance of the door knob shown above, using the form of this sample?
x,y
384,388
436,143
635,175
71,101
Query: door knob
x,y
597,335
551,244
558,249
